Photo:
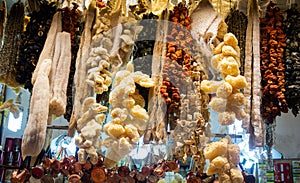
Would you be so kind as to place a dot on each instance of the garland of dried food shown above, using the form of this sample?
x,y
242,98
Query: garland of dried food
x,y
224,157
129,118
98,77
8,57
59,75
292,60
32,43
142,56
272,70
236,22
2,18
229,99
71,21
81,86
156,130
176,70
35,131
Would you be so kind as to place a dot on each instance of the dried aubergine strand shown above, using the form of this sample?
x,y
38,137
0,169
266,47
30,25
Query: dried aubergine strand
x,y
2,18
8,57
272,70
71,22
292,60
237,22
144,45
32,42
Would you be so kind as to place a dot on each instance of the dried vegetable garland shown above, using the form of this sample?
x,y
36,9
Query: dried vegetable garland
x,y
142,56
273,44
224,157
8,57
2,18
229,99
71,22
32,42
176,70
292,59
236,22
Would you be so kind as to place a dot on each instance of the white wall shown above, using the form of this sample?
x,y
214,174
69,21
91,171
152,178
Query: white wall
x,y
287,135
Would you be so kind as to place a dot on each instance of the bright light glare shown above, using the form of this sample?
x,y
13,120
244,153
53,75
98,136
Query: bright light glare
x,y
14,124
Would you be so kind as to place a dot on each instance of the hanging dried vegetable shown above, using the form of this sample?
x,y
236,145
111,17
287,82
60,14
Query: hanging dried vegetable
x,y
8,57
144,45
32,42
272,70
35,131
292,59
236,22
229,99
71,21
176,70
81,87
224,156
129,118
2,18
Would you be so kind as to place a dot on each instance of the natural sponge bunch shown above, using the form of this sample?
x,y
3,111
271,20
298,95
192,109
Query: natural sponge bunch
x,y
229,99
224,158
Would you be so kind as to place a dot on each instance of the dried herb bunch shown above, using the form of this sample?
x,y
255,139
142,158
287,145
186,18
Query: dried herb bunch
x,y
8,56
32,42
71,22
292,59
272,70
237,22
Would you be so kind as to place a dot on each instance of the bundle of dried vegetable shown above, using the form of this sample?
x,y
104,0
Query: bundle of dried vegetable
x,y
32,42
60,69
35,131
229,99
292,59
273,44
177,67
224,157
8,56
253,123
236,22
81,86
71,20
129,118
2,18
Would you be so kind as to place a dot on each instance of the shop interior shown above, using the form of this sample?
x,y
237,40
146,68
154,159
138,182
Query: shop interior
x,y
150,91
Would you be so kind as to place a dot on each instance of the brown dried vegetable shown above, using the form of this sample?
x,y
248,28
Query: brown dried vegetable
x,y
237,22
176,70
292,59
2,18
8,56
71,22
272,70
32,42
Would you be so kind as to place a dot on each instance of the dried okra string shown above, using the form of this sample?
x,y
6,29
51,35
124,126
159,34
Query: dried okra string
x,y
237,22
8,57
292,60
